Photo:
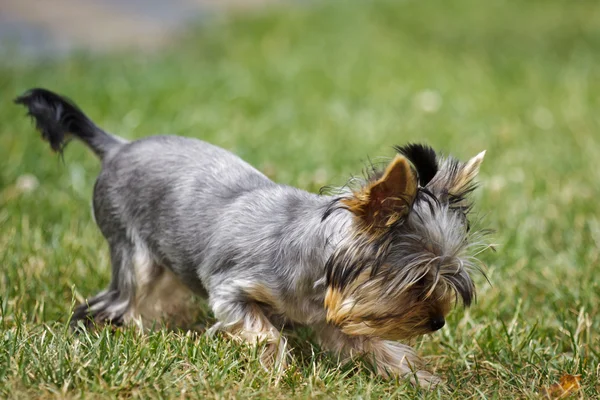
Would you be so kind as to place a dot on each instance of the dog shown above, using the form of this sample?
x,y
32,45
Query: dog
x,y
378,262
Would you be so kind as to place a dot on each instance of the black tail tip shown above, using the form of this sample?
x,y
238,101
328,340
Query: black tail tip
x,y
53,114
38,97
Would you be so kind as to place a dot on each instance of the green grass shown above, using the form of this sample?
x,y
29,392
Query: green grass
x,y
306,94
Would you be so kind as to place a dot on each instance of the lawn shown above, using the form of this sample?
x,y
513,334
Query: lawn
x,y
307,93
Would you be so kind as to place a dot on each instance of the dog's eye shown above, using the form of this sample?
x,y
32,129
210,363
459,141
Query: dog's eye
x,y
421,283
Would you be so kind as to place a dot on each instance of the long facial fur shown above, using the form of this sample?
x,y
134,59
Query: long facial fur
x,y
389,281
227,232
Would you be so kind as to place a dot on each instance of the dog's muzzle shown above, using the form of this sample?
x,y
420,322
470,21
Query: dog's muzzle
x,y
437,323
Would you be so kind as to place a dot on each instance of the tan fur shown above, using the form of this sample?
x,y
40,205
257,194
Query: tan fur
x,y
389,257
361,309
262,294
341,306
160,296
256,329
389,358
333,300
388,199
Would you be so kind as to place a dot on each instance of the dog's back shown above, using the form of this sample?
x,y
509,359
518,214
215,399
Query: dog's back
x,y
184,212
383,262
169,192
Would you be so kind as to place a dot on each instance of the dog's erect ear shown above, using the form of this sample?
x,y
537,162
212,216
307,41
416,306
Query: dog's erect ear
x,y
388,199
466,175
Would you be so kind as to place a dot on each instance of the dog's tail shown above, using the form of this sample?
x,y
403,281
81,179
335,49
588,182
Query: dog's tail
x,y
58,119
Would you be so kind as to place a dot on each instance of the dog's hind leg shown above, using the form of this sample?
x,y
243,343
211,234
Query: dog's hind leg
x,y
113,305
160,296
141,293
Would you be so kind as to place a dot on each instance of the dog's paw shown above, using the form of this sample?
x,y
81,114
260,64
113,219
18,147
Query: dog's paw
x,y
427,380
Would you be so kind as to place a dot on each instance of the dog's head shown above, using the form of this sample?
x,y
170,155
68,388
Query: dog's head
x,y
410,253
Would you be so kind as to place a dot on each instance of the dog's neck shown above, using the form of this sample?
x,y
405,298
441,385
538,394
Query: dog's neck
x,y
316,231
307,242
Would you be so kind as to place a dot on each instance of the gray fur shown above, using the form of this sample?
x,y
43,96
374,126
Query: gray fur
x,y
213,219
225,231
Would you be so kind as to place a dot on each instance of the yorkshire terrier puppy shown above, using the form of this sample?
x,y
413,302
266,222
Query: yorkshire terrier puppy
x,y
382,262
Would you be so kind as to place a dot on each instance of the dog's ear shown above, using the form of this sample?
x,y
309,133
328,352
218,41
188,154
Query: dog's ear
x,y
463,182
388,199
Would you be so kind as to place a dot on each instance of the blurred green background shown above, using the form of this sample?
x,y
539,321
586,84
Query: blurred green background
x,y
307,92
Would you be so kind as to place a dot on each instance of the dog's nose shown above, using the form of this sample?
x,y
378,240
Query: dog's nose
x,y
437,323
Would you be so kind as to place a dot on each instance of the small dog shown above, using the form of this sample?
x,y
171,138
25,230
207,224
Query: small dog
x,y
382,262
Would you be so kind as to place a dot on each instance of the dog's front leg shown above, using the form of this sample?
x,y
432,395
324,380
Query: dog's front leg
x,y
389,358
244,320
